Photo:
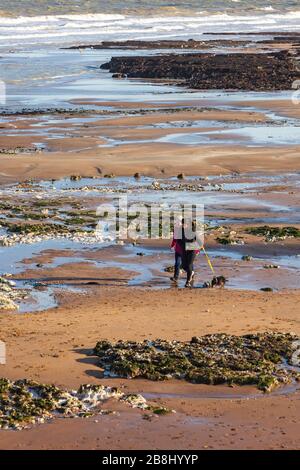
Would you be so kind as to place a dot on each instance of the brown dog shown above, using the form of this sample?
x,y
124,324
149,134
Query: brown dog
x,y
217,281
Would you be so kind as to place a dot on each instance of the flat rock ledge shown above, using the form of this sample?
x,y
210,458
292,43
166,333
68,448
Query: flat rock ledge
x,y
254,72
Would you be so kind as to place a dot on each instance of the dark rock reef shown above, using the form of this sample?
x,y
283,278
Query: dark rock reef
x,y
255,359
163,44
249,71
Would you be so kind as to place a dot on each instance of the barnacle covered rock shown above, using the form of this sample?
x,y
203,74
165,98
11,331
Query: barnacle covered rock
x,y
25,402
9,296
272,234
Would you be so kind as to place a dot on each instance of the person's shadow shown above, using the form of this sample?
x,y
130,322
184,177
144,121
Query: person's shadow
x,y
90,359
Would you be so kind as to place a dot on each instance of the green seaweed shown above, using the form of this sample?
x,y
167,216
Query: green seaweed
x,y
37,229
223,240
26,402
211,359
274,233
267,383
159,410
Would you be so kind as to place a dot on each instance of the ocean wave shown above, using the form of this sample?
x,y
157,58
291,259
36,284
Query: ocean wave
x,y
98,27
269,8
57,18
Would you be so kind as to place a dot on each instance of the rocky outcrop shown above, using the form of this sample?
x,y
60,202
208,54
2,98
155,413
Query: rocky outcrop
x,y
263,359
163,44
257,72
26,402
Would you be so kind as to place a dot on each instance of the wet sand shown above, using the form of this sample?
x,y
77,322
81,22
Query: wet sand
x,y
94,145
112,293
150,159
212,426
54,347
283,107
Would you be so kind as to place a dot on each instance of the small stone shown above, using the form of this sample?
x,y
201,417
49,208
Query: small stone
x,y
75,177
247,258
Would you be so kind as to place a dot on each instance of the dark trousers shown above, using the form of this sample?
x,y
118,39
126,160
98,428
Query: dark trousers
x,y
177,266
188,259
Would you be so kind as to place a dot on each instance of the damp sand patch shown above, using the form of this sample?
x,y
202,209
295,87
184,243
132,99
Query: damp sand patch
x,y
263,360
26,402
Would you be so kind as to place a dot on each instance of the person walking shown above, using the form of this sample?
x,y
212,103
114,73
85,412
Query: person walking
x,y
191,246
177,245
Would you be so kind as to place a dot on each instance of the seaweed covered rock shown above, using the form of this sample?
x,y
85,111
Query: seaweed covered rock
x,y
256,359
26,402
9,295
272,234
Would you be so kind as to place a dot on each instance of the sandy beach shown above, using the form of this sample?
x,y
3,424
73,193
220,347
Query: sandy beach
x,y
139,149
54,347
